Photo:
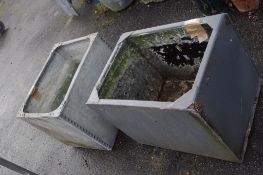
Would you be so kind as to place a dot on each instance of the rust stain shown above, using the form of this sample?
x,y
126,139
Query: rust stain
x,y
198,107
36,94
172,90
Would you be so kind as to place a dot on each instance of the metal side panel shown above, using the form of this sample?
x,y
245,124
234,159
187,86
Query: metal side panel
x,y
229,89
167,128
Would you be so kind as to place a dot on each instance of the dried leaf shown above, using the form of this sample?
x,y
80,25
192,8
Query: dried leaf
x,y
196,30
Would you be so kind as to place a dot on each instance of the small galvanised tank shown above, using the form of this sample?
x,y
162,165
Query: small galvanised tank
x,y
188,86
56,102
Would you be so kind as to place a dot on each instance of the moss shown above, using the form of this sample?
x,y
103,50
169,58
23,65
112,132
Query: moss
x,y
64,88
100,8
129,52
206,127
104,16
217,140
126,55
143,41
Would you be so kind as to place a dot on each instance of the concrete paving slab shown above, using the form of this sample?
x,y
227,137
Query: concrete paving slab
x,y
34,26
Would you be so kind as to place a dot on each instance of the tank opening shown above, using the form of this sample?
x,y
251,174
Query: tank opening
x,y
160,66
